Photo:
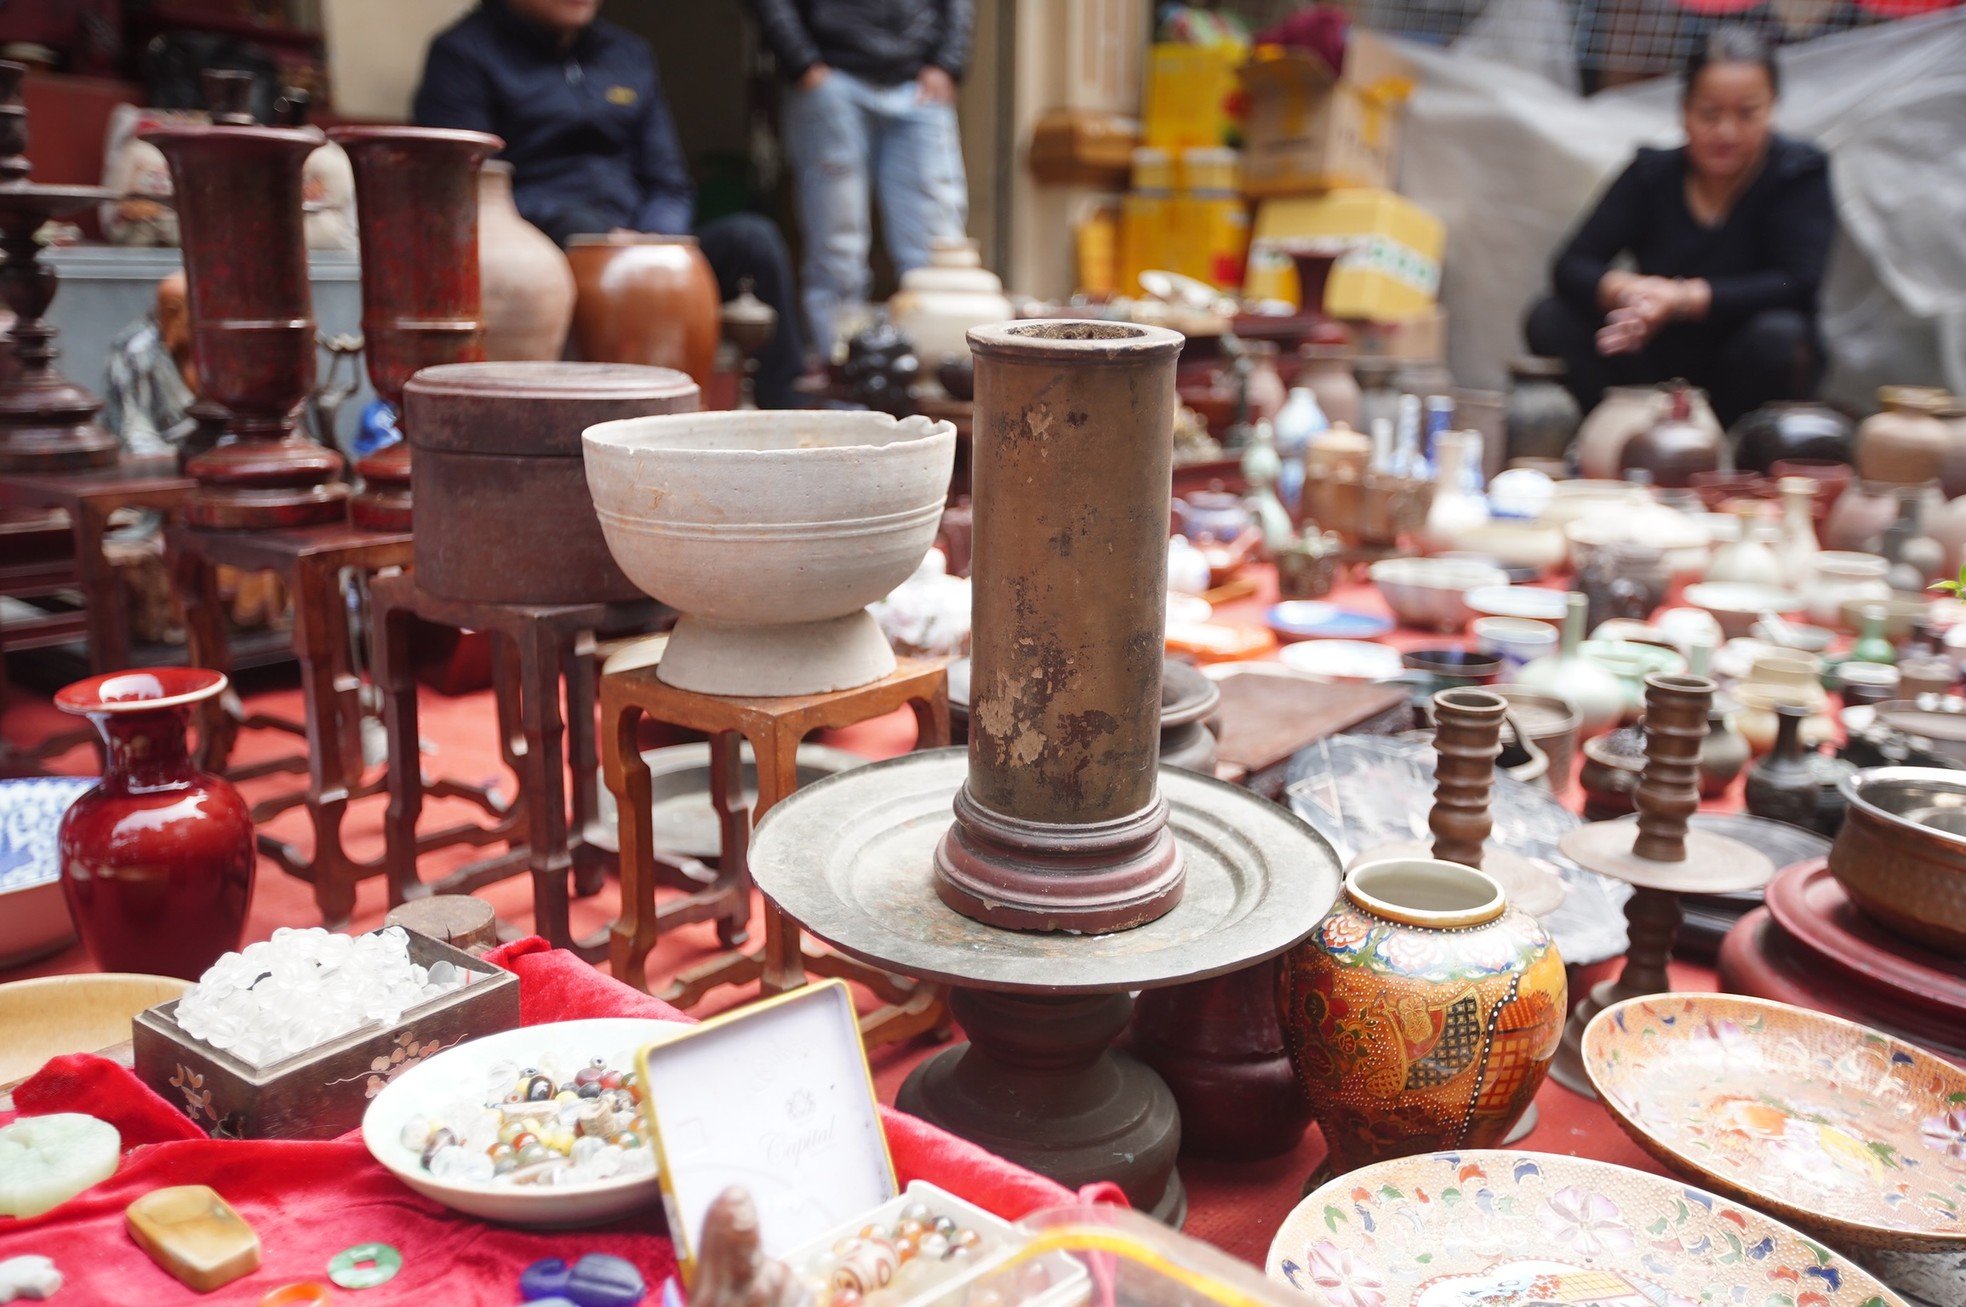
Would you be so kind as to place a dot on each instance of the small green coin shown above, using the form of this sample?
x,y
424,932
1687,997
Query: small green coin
x,y
365,1266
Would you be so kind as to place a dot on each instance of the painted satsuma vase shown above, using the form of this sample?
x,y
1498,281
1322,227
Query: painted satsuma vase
x,y
1421,1013
157,859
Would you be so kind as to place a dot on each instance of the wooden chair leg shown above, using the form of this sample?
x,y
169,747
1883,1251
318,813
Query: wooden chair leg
x,y
634,932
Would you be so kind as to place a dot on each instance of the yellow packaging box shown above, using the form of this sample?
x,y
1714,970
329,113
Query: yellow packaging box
x,y
1146,228
1209,237
1308,130
1390,273
1189,93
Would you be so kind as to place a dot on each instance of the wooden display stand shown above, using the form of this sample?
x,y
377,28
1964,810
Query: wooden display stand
x,y
553,645
774,727
310,560
90,497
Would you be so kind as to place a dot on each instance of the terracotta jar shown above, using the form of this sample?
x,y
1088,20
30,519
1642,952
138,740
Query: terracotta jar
x,y
1786,430
1421,1013
1540,417
1328,372
1905,444
157,860
645,299
527,286
1624,412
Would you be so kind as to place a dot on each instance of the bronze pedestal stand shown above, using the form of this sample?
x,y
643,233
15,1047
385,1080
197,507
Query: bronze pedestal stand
x,y
237,191
416,203
1658,856
47,422
1136,877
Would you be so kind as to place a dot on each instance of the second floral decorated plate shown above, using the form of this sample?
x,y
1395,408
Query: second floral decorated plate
x,y
1508,1229
1825,1123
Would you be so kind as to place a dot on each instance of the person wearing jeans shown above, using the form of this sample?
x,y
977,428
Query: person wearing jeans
x,y
872,108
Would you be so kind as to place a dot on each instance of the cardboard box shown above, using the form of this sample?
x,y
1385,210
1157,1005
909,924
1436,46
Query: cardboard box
x,y
1190,95
1391,273
1307,130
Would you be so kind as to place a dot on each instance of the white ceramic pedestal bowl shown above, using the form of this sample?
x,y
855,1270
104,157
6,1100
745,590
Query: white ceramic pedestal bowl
x,y
770,532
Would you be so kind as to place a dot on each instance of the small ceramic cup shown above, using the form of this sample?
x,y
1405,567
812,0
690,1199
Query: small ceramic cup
x,y
1514,640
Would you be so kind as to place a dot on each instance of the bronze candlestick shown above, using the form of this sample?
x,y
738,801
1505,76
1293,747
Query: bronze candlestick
x,y
47,422
238,199
416,204
1062,819
1467,741
1061,825
1658,856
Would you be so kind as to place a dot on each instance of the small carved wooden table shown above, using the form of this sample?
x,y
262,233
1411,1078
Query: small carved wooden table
x,y
774,728
538,648
90,497
311,561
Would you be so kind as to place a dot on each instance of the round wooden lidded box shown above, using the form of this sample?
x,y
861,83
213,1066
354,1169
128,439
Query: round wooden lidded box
x,y
503,514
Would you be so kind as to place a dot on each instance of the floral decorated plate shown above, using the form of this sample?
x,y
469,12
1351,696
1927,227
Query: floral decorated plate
x,y
1507,1229
33,915
1818,1120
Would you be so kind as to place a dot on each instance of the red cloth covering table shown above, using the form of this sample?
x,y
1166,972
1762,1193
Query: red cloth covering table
x,y
310,1200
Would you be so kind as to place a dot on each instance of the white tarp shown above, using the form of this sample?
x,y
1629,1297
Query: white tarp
x,y
1510,160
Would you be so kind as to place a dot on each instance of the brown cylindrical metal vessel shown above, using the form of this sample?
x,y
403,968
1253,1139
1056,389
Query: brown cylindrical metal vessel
x,y
503,513
1061,825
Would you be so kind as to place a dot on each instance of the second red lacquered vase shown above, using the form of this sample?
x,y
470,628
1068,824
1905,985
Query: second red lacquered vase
x,y
157,860
416,202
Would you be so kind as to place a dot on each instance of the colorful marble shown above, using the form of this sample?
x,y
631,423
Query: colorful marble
x,y
1822,1122
1421,1013
1505,1229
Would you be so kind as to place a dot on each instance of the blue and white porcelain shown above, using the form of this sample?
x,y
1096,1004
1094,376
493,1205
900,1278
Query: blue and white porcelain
x,y
33,916
1313,619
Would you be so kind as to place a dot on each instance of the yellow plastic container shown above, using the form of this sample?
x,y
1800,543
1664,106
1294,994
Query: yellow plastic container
x,y
1391,273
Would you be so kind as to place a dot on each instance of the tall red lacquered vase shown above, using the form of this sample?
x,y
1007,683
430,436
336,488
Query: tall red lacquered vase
x,y
238,196
416,201
157,860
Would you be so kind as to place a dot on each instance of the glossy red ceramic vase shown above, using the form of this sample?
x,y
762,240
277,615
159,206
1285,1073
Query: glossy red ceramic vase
x,y
157,860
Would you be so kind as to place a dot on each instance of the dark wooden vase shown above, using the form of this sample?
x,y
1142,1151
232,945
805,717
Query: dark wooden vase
x,y
416,205
238,199
47,422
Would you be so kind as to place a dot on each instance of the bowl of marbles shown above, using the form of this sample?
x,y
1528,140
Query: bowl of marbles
x,y
540,1126
34,917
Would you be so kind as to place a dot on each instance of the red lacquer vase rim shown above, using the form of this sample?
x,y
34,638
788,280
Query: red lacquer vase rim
x,y
144,690
204,133
347,136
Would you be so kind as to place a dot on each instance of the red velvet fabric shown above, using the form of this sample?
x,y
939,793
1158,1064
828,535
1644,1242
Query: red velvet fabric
x,y
308,1201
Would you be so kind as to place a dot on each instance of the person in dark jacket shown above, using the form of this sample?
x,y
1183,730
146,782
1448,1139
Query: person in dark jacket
x,y
593,148
1728,236
873,106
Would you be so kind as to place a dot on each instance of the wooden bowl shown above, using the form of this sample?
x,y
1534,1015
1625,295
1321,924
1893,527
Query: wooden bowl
x,y
73,1014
